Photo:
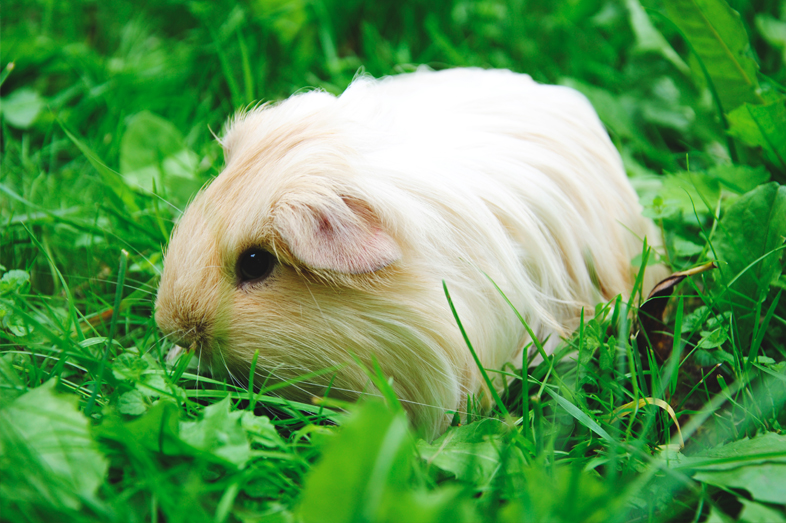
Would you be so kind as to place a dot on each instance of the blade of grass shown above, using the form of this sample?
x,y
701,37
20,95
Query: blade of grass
x,y
486,379
121,278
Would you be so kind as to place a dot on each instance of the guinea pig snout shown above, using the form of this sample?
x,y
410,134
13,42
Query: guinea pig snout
x,y
192,331
186,314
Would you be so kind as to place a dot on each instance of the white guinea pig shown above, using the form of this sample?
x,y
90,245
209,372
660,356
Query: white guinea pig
x,y
327,237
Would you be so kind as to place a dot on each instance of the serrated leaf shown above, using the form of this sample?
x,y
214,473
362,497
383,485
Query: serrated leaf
x,y
716,33
43,428
762,126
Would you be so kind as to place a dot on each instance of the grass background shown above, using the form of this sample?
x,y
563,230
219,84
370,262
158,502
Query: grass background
x,y
106,118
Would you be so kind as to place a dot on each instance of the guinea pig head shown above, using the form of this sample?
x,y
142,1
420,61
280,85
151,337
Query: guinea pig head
x,y
283,259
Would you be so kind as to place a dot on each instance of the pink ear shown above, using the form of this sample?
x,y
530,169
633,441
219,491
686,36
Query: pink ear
x,y
335,233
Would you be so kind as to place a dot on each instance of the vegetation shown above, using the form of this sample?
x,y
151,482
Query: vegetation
x,y
106,113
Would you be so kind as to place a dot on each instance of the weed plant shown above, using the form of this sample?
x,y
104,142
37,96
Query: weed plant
x,y
106,114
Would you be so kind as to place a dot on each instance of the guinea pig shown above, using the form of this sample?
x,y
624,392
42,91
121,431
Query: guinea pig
x,y
326,239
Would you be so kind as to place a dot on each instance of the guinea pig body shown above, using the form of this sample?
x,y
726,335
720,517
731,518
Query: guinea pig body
x,y
328,235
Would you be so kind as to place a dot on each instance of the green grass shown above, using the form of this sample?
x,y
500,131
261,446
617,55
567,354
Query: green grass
x,y
107,97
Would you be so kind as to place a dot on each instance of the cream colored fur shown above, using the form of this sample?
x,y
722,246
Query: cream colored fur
x,y
370,200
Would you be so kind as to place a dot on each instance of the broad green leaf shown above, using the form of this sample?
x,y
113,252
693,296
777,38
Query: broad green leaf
x,y
148,139
131,403
716,33
772,30
22,107
45,430
648,38
683,247
153,155
468,452
752,227
762,126
766,482
713,339
219,436
757,465
753,512
156,431
691,192
740,178
767,448
261,431
369,459
220,433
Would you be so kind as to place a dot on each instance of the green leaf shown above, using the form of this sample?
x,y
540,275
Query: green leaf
x,y
469,452
648,38
740,178
156,431
766,448
559,493
368,460
762,126
21,108
716,33
753,227
153,154
131,403
45,429
219,433
753,512
261,431
12,281
683,247
772,30
691,192
148,139
757,465
765,482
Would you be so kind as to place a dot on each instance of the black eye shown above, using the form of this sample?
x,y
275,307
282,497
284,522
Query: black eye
x,y
255,264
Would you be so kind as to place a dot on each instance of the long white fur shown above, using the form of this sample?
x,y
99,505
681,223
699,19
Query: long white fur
x,y
373,198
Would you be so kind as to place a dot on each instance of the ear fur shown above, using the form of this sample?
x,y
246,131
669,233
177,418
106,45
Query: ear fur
x,y
335,233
